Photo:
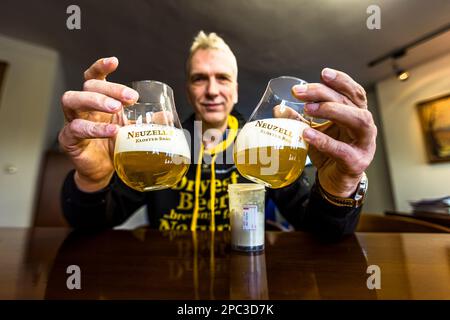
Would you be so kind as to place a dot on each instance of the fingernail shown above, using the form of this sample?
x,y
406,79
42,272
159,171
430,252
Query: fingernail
x,y
108,60
329,74
309,133
300,88
311,107
111,128
130,94
112,104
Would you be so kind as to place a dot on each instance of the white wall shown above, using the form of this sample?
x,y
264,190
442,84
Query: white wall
x,y
379,195
27,98
412,176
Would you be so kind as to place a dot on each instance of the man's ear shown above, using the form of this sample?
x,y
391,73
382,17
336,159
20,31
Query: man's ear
x,y
235,98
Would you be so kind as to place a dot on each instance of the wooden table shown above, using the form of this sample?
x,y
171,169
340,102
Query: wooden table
x,y
437,218
147,264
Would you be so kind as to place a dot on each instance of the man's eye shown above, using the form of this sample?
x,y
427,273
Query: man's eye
x,y
223,79
197,79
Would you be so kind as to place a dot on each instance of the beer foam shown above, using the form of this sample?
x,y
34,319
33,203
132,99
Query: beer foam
x,y
152,137
271,132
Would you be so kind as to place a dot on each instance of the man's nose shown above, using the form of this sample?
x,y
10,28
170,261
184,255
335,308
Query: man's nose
x,y
212,89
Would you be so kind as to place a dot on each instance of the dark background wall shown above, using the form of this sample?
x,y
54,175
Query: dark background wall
x,y
269,38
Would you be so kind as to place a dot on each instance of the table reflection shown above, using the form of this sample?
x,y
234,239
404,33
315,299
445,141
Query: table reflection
x,y
143,264
148,264
248,277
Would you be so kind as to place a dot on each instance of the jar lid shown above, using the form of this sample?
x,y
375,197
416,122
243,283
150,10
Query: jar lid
x,y
245,187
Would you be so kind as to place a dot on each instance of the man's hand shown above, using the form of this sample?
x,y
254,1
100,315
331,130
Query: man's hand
x,y
341,151
92,118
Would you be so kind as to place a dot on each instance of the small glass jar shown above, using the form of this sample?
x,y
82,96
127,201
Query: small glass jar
x,y
247,216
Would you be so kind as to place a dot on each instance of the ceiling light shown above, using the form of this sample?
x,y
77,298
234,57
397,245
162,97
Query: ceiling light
x,y
401,74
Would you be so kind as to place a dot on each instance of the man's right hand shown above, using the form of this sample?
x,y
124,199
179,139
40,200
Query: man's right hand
x,y
92,119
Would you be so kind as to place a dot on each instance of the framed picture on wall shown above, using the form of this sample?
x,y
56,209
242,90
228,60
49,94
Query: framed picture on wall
x,y
434,117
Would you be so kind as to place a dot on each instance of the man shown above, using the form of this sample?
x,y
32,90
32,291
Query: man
x,y
94,197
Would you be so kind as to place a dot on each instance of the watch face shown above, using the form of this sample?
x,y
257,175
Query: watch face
x,y
362,188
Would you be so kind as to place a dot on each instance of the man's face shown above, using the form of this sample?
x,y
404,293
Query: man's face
x,y
212,85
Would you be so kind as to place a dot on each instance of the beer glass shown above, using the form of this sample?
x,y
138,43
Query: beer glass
x,y
270,148
151,151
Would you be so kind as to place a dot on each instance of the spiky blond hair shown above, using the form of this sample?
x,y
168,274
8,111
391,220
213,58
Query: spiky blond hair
x,y
209,41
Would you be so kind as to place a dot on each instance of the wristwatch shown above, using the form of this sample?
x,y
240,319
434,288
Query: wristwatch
x,y
355,201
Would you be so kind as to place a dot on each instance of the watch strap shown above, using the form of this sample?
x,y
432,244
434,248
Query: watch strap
x,y
355,201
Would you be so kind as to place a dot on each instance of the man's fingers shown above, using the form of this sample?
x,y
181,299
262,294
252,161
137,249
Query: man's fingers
x,y
101,68
74,102
337,150
286,112
357,120
80,129
343,83
114,90
317,92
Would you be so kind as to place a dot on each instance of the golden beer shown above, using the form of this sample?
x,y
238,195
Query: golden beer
x,y
151,157
147,170
271,151
260,165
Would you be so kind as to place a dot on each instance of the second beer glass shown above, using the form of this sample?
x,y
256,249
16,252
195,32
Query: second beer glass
x,y
270,148
151,150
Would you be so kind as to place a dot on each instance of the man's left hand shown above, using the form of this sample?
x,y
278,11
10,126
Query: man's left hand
x,y
343,150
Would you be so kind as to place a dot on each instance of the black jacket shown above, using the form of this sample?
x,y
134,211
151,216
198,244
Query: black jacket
x,y
172,209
